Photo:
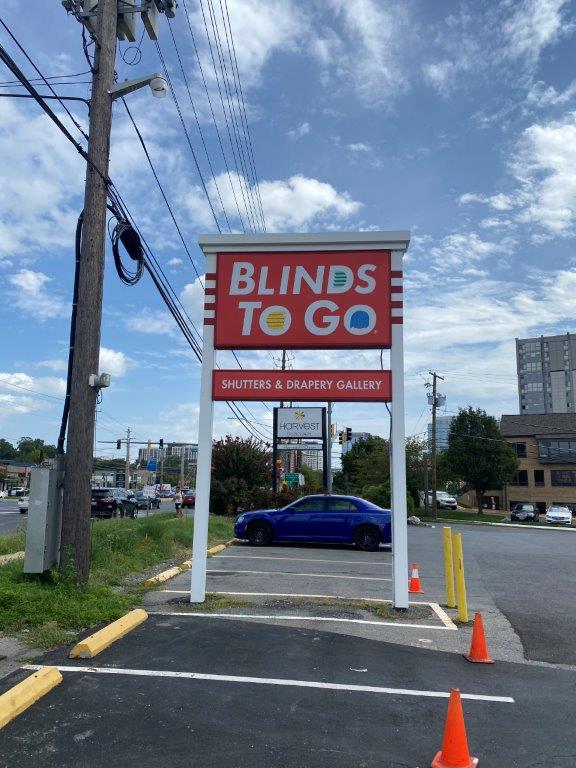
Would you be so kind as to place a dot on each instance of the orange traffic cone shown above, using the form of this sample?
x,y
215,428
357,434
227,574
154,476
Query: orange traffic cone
x,y
478,648
414,585
454,752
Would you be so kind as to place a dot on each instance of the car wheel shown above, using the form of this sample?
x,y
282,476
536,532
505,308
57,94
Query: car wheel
x,y
260,534
367,538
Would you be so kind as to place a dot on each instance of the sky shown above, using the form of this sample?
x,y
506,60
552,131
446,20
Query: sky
x,y
456,121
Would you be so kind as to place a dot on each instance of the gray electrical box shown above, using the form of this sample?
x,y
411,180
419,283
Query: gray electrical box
x,y
44,518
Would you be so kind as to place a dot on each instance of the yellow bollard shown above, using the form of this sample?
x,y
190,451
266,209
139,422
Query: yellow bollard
x,y
460,579
449,568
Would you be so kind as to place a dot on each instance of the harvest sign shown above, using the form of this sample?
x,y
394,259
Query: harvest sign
x,y
303,300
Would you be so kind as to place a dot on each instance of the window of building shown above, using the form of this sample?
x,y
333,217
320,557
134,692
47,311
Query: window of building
x,y
520,477
520,450
557,450
563,477
539,477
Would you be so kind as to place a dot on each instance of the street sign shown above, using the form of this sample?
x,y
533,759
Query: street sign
x,y
341,386
152,465
326,299
299,422
292,477
299,446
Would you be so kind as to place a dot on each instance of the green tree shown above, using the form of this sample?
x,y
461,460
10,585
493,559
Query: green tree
x,y
478,454
7,450
313,479
34,450
238,467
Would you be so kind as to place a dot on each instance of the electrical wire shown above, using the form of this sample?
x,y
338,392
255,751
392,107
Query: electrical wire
x,y
46,82
189,141
198,123
232,111
229,132
247,133
48,77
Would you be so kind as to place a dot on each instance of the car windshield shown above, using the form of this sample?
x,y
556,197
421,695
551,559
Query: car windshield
x,y
559,509
101,492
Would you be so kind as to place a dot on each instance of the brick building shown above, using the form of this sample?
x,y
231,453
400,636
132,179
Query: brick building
x,y
546,448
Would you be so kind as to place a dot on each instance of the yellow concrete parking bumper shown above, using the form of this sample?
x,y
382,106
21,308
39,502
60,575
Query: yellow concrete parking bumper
x,y
24,694
161,577
94,644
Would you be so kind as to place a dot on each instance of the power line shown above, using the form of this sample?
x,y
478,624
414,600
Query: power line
x,y
243,189
198,123
232,107
176,102
225,159
247,133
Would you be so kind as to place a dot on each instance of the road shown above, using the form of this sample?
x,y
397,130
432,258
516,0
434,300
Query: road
x,y
10,518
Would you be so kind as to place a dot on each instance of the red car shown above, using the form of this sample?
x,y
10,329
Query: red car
x,y
188,499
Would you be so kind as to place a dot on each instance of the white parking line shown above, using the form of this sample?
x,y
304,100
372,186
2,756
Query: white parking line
x,y
301,560
274,681
280,617
312,575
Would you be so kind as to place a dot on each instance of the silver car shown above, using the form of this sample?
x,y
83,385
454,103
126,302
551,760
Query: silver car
x,y
559,514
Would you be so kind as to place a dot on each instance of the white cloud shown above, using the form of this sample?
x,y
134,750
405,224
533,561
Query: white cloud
x,y
113,362
499,202
541,95
192,297
441,75
151,321
175,262
291,204
56,365
545,167
32,296
534,25
367,50
459,249
298,132
360,147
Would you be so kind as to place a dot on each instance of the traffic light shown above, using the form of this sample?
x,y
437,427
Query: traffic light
x,y
118,444
340,437
348,434
161,443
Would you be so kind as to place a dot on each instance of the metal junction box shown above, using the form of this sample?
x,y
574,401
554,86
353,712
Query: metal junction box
x,y
44,518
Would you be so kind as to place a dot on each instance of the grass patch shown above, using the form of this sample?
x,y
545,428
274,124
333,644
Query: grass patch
x,y
12,542
47,611
215,602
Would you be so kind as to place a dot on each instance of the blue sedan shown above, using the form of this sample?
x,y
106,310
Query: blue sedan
x,y
323,518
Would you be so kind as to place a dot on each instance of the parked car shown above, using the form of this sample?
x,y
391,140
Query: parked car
x,y
524,512
559,514
166,494
126,502
322,518
443,500
147,502
21,491
103,503
188,498
23,504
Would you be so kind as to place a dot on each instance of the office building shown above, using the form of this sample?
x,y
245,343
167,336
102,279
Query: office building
x,y
313,459
546,374
443,424
171,450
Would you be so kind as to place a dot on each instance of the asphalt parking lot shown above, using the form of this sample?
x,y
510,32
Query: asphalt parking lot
x,y
235,694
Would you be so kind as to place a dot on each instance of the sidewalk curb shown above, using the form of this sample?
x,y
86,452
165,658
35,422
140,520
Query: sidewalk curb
x,y
160,578
24,694
97,642
5,559
505,525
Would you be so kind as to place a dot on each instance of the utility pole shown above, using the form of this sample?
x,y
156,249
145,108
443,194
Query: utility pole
x,y
329,448
435,402
75,541
127,470
182,459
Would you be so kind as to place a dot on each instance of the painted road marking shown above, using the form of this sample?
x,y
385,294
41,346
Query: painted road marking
x,y
301,560
312,575
281,617
274,681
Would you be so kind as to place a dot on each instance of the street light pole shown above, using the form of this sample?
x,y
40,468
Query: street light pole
x,y
433,451
75,542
